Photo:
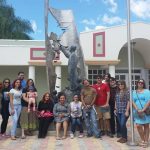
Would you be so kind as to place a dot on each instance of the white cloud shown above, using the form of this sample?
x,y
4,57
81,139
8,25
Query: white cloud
x,y
98,27
113,5
112,20
141,8
34,26
88,22
87,29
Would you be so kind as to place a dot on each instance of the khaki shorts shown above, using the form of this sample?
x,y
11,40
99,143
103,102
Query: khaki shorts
x,y
100,115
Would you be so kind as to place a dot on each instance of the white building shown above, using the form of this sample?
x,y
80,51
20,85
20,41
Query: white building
x,y
104,51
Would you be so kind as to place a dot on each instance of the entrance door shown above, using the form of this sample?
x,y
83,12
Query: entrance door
x,y
124,76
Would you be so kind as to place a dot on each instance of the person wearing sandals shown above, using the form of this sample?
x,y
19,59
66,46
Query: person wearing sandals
x,y
76,116
28,120
61,113
45,109
5,106
122,105
15,105
141,99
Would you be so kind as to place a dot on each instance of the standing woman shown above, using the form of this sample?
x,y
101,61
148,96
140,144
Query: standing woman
x,y
28,120
61,113
15,106
141,98
122,105
45,109
5,106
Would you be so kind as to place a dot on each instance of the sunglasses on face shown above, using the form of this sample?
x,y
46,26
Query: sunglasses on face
x,y
141,82
6,82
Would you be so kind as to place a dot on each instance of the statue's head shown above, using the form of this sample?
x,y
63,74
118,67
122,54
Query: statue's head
x,y
72,48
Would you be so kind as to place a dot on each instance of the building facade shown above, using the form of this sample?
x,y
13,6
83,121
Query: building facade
x,y
105,51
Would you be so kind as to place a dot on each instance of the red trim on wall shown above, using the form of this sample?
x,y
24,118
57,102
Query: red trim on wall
x,y
94,44
32,57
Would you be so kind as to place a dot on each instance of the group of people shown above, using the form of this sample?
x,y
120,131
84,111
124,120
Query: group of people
x,y
104,107
14,102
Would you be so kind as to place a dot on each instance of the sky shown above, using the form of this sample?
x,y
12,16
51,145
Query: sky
x,y
88,14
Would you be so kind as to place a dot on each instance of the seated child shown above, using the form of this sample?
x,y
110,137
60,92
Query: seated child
x,y
31,95
76,116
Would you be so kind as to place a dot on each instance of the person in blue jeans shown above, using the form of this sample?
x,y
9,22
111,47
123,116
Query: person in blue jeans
x,y
76,116
122,109
15,105
88,95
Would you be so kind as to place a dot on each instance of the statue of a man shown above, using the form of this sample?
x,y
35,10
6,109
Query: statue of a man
x,y
72,66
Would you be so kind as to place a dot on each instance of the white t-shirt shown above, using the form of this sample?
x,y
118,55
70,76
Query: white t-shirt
x,y
16,96
76,109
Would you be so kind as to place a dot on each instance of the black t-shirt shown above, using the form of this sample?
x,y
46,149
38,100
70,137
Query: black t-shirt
x,y
23,102
5,97
46,106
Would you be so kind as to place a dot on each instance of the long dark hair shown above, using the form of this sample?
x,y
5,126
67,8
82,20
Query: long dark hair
x,y
144,85
6,79
13,85
27,84
122,82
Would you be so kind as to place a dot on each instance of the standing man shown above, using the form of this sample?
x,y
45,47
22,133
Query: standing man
x,y
88,95
21,77
102,105
113,120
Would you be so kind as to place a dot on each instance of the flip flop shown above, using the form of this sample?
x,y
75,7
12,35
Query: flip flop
x,y
23,137
13,138
64,137
58,138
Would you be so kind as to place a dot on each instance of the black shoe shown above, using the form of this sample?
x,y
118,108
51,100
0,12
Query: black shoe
x,y
102,133
98,137
89,135
118,135
109,134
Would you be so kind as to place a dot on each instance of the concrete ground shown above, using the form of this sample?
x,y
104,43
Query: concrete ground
x,y
50,143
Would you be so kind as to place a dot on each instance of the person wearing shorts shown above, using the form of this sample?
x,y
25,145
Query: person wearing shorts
x,y
102,106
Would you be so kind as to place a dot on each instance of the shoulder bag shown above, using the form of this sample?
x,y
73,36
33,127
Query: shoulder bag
x,y
147,111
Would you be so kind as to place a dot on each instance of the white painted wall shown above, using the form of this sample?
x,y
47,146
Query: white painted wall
x,y
115,38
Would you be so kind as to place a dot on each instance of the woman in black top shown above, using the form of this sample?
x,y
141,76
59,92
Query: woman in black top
x,y
28,120
45,109
5,106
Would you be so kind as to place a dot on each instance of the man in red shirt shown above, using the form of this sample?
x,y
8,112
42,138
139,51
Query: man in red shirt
x,y
102,105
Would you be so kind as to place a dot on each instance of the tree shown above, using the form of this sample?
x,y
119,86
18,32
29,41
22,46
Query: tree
x,y
12,27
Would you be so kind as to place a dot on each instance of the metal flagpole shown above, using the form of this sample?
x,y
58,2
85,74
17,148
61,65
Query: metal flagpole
x,y
132,142
46,37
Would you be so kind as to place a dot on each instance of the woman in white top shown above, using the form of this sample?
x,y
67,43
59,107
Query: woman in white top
x,y
15,105
76,116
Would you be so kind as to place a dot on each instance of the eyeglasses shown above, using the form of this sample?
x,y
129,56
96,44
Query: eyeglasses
x,y
120,84
98,78
6,82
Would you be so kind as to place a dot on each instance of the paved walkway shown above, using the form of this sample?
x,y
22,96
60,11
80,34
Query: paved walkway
x,y
50,143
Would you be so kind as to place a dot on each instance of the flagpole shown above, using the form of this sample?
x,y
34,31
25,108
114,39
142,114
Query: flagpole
x,y
46,37
132,142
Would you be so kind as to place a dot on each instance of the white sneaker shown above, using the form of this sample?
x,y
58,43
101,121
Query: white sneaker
x,y
71,135
81,136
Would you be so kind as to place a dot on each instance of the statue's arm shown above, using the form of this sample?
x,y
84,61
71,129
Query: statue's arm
x,y
65,51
